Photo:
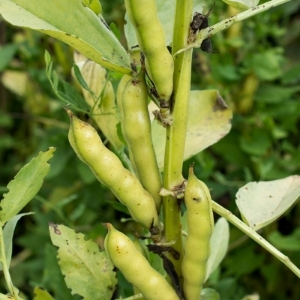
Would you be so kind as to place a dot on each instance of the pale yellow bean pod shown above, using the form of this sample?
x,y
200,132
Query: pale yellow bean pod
x,y
136,268
152,41
109,170
137,133
200,226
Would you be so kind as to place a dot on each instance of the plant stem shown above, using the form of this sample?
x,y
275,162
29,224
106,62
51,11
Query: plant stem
x,y
176,133
209,31
255,236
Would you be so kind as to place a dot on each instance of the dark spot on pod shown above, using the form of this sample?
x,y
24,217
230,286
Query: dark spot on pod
x,y
164,104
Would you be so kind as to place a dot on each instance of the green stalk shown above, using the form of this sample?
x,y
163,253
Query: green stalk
x,y
176,133
255,236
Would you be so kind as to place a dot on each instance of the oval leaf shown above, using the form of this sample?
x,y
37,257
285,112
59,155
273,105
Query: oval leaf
x,y
209,120
87,271
25,185
260,203
218,245
72,23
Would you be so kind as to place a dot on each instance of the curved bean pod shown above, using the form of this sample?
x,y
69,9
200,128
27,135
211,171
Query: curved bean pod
x,y
136,268
109,170
200,226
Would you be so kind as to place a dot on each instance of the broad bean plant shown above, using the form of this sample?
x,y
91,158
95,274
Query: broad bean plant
x,y
153,126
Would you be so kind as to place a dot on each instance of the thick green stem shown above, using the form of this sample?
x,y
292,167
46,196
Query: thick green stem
x,y
176,133
255,236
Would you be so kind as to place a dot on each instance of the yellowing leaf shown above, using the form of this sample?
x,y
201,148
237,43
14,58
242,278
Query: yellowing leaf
x,y
87,271
209,120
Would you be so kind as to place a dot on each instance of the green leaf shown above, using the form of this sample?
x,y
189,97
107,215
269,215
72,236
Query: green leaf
x,y
25,185
266,65
275,93
80,78
209,120
218,245
286,243
87,271
255,142
242,4
63,90
6,54
72,23
8,233
41,294
260,203
209,294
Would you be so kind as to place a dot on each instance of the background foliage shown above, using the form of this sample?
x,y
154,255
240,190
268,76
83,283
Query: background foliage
x,y
257,71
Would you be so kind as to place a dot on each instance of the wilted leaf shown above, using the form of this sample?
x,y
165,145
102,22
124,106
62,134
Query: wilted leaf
x,y
87,271
72,23
260,203
25,185
208,121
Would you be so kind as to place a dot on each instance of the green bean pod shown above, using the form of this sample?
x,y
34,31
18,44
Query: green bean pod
x,y
137,133
109,170
200,226
152,41
136,268
121,86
